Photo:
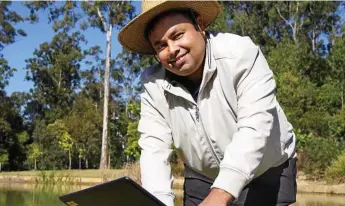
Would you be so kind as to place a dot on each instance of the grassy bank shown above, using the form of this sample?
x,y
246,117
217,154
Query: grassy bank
x,y
93,177
88,177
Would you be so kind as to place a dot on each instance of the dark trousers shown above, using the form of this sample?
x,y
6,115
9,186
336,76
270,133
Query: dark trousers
x,y
276,187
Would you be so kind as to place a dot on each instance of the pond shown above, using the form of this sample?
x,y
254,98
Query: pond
x,y
33,195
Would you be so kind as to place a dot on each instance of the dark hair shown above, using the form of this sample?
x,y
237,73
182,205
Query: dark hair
x,y
188,13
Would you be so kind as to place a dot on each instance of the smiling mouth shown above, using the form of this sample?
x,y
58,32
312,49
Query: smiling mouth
x,y
177,59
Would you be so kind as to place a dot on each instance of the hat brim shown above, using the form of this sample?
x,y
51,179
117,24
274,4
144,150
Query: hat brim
x,y
132,35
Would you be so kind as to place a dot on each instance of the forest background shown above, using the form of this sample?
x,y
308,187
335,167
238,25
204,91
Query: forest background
x,y
61,123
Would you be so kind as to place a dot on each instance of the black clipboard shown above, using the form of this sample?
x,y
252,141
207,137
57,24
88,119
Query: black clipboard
x,y
120,192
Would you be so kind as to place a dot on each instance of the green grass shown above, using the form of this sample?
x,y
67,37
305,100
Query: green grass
x,y
75,176
79,177
94,173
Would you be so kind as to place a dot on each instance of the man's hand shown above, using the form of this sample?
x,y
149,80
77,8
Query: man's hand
x,y
217,197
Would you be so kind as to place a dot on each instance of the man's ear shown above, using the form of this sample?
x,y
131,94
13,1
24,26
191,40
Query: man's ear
x,y
201,26
200,23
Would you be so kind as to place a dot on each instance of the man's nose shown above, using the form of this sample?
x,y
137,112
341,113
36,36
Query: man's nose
x,y
173,49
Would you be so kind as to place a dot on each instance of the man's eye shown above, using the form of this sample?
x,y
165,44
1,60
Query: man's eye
x,y
160,47
179,35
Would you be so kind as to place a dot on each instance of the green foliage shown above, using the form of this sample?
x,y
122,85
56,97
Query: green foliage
x,y
66,141
336,171
177,164
317,154
116,13
336,61
133,135
337,125
59,131
220,24
84,124
53,156
328,98
8,18
33,153
132,147
3,157
12,134
56,79
5,72
8,35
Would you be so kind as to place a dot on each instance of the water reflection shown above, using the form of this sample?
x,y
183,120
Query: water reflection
x,y
43,195
33,195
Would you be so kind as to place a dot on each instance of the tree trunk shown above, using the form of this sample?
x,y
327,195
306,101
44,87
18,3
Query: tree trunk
x,y
86,163
79,163
35,166
104,154
70,159
109,160
294,31
313,41
100,89
342,96
334,33
60,77
294,27
0,166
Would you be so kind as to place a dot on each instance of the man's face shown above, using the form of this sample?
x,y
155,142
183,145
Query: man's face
x,y
178,45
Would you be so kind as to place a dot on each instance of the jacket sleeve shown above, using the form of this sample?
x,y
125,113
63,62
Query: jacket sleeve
x,y
155,143
255,90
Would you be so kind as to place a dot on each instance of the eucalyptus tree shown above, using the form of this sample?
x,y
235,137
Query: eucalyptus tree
x,y
54,70
107,16
92,76
8,34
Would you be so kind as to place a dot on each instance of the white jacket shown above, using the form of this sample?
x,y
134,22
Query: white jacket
x,y
233,133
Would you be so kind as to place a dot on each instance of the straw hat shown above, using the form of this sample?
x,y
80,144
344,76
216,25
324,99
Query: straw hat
x,y
132,35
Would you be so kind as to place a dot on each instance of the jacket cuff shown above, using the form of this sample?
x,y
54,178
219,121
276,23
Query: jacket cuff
x,y
167,199
231,181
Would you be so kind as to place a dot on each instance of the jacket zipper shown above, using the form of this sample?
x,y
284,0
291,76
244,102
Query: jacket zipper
x,y
198,118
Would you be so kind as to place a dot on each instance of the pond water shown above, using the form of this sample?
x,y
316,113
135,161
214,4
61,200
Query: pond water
x,y
33,195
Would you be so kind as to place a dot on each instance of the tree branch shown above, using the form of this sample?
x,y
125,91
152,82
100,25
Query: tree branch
x,y
296,17
102,19
286,21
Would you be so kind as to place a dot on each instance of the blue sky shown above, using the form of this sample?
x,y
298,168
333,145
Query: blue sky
x,y
38,33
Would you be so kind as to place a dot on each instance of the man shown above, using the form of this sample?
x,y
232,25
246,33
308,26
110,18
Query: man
x,y
213,97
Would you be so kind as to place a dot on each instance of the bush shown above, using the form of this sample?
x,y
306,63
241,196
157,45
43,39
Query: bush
x,y
316,154
177,164
336,171
177,168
